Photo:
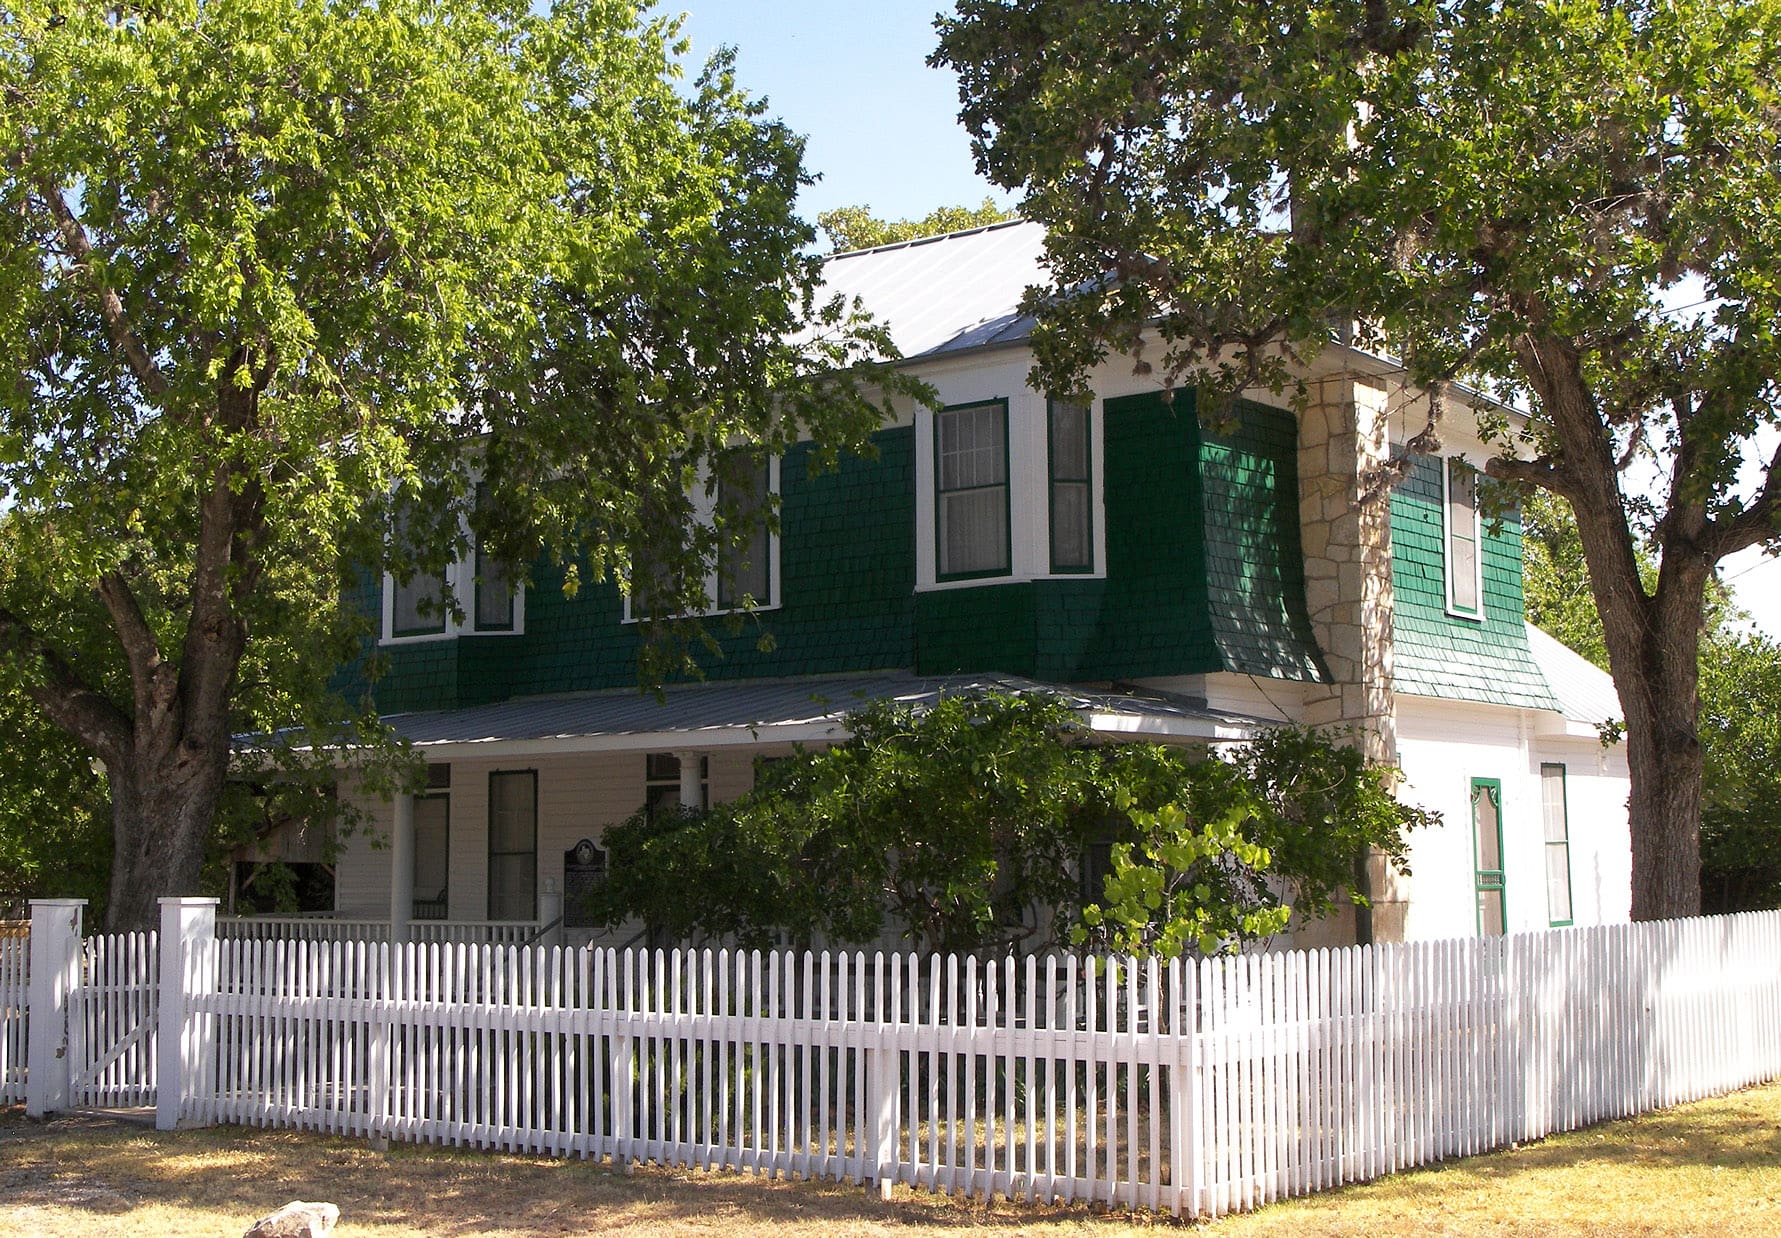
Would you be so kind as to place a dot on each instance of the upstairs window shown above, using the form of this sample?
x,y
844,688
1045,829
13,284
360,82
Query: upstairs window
x,y
1464,536
971,492
1072,512
417,605
745,568
484,587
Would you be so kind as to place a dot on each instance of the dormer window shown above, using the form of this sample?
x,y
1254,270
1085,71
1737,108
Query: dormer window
x,y
971,491
1464,535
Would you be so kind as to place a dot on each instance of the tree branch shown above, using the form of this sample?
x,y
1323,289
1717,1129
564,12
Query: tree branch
x,y
67,699
141,649
1756,524
111,306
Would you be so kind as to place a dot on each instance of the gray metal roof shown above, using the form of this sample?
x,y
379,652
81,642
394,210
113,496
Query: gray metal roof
x,y
1585,692
783,709
946,294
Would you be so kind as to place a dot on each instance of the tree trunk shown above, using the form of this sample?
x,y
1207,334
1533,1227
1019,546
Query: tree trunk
x,y
161,815
1664,757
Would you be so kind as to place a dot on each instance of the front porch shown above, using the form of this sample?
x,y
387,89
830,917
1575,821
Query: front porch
x,y
506,840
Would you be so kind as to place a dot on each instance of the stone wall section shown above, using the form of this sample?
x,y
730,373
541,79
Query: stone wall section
x,y
1344,439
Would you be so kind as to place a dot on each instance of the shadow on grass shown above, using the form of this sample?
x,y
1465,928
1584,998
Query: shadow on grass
x,y
104,1168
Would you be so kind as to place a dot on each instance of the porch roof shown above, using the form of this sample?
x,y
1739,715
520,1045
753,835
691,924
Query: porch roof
x,y
799,710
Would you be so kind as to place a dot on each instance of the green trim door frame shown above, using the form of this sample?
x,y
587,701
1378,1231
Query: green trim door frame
x,y
1487,856
1007,568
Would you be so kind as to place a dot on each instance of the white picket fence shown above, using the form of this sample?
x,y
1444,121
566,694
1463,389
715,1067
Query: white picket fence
x,y
112,1017
15,984
1203,1087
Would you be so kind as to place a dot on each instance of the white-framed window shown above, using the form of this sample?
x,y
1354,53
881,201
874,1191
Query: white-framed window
x,y
1558,844
492,603
971,501
1008,489
1462,539
1069,455
745,574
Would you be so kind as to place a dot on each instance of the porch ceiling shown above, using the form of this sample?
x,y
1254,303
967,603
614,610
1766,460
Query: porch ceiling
x,y
776,711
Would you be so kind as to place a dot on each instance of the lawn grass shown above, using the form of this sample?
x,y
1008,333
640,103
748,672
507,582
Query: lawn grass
x,y
1710,1168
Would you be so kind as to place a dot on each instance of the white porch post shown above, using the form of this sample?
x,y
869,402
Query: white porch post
x,y
401,869
691,785
55,970
185,1047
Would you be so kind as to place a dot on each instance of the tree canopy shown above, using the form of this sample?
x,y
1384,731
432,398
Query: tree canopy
x,y
280,276
1523,195
855,227
988,820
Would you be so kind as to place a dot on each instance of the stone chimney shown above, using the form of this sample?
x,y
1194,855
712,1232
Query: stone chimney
x,y
1344,437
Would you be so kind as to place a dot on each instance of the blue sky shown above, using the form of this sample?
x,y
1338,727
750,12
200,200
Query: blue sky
x,y
882,127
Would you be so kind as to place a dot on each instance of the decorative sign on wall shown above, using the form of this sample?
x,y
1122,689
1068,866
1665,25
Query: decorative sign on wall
x,y
584,873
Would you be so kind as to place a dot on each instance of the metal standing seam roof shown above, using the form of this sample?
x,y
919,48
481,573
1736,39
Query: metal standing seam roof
x,y
946,294
779,710
1585,692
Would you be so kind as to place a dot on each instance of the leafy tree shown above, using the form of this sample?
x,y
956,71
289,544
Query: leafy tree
x,y
1740,720
281,276
1506,192
966,825
855,227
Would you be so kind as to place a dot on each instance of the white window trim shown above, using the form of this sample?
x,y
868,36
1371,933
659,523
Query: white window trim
x,y
1029,493
460,578
704,503
1453,608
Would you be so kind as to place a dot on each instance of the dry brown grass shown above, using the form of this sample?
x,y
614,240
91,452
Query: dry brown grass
x,y
1712,1168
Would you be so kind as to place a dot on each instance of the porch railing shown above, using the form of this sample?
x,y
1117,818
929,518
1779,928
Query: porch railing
x,y
316,928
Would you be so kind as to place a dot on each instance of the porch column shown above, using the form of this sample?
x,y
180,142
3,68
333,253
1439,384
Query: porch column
x,y
691,785
401,868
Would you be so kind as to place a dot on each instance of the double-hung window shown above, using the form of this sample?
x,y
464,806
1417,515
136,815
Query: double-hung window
x,y
487,598
1558,844
744,562
1072,508
417,604
513,845
971,491
1464,537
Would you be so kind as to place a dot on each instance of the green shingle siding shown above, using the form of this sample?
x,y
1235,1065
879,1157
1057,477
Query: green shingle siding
x,y
847,603
1254,568
1442,655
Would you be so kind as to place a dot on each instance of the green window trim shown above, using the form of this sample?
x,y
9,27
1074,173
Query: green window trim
x,y
1006,568
531,913
1560,846
1057,480
1486,880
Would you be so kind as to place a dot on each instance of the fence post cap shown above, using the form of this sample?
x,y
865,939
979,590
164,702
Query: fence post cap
x,y
190,900
54,903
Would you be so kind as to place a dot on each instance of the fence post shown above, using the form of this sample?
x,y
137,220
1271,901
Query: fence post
x,y
881,1103
55,971
185,1052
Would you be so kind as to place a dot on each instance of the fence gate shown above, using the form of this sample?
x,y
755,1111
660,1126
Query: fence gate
x,y
112,1013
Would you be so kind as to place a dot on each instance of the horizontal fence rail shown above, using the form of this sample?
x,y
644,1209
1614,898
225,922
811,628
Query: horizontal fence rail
x,y
1202,1086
